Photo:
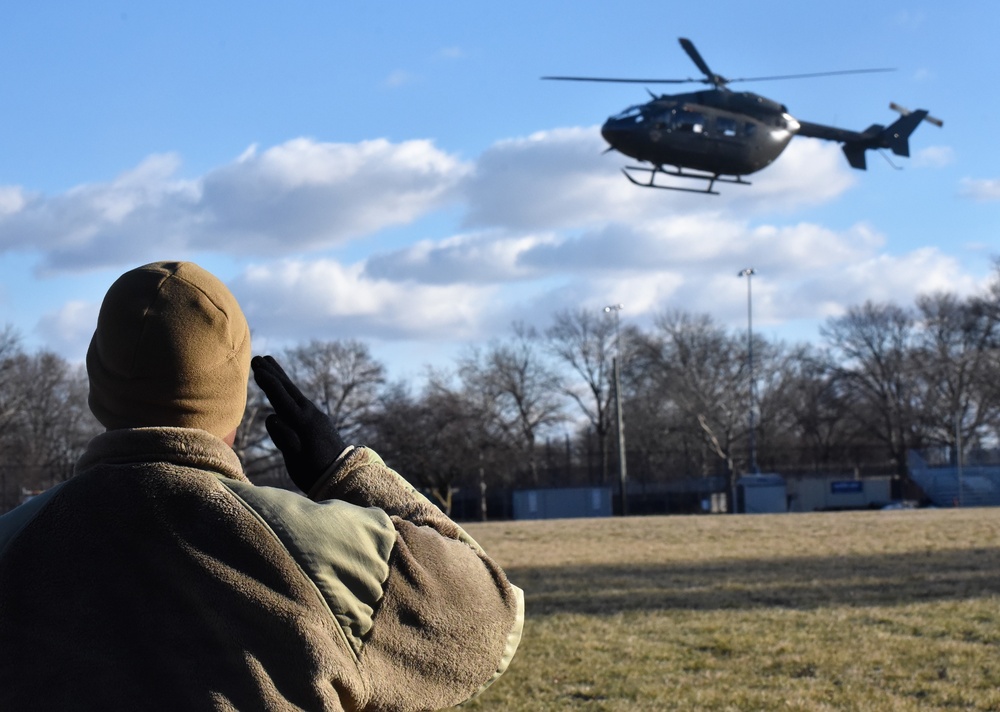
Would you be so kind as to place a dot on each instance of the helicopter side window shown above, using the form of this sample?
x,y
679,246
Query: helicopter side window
x,y
725,126
749,128
688,122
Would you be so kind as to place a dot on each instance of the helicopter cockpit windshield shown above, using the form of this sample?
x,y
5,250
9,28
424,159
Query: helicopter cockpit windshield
x,y
633,112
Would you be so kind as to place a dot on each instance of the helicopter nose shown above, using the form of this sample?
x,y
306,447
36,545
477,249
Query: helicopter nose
x,y
613,132
620,136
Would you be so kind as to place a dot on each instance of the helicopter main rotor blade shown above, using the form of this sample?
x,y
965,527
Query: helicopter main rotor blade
x,y
625,81
695,56
711,77
813,74
722,80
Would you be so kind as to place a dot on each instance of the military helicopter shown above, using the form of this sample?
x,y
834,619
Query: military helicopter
x,y
720,136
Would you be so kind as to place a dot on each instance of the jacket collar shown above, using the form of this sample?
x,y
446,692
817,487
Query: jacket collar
x,y
186,447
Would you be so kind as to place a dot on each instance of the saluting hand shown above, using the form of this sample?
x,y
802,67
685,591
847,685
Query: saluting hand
x,y
306,436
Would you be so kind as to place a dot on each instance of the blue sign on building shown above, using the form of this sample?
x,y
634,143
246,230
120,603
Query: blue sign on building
x,y
847,487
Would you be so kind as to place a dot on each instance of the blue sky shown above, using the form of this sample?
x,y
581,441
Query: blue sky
x,y
398,173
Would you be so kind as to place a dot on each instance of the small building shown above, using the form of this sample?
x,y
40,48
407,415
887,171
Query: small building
x,y
825,493
560,503
761,494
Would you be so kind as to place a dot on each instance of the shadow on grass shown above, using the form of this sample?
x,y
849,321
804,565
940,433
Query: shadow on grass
x,y
797,583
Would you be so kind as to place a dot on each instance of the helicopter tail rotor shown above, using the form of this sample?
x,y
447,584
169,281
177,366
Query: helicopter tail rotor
x,y
904,111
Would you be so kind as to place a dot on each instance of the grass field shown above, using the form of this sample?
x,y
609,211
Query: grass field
x,y
884,610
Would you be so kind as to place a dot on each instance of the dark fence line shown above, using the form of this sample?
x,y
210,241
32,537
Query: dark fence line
x,y
652,489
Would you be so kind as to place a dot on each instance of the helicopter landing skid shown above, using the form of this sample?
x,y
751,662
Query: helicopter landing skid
x,y
679,173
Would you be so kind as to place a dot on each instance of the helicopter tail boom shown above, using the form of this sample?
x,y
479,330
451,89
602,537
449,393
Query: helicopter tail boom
x,y
894,137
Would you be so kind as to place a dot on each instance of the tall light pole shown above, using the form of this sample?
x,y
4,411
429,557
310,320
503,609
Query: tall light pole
x,y
749,272
622,472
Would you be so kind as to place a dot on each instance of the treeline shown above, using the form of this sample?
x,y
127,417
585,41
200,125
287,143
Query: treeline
x,y
536,408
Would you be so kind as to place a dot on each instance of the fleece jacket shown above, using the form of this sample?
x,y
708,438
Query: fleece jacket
x,y
159,577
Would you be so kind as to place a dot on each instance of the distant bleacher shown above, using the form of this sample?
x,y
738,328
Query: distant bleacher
x,y
952,486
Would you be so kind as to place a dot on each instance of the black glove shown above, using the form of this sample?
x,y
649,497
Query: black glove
x,y
306,436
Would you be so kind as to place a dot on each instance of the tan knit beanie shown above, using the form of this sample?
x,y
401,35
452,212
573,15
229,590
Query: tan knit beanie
x,y
172,348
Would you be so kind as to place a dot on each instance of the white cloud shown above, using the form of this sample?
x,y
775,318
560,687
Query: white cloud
x,y
309,195
399,77
103,223
12,199
563,179
809,172
329,300
880,278
934,157
472,258
551,179
986,190
68,330
300,195
549,224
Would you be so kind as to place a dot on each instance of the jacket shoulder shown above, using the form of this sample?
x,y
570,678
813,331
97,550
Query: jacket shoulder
x,y
13,522
342,548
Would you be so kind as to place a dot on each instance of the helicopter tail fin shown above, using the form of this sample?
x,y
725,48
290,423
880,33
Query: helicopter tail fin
x,y
855,156
895,137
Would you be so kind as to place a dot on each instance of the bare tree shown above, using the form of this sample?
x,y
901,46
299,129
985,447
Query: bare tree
x,y
658,442
813,424
435,440
341,377
956,368
703,370
585,341
262,462
520,391
11,396
52,423
873,345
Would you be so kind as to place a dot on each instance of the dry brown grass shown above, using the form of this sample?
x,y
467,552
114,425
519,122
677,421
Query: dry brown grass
x,y
845,611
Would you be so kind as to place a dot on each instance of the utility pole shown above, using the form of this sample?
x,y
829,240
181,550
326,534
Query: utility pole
x,y
749,272
617,364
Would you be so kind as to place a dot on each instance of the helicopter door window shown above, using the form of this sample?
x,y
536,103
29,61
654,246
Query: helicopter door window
x,y
688,122
726,126
749,128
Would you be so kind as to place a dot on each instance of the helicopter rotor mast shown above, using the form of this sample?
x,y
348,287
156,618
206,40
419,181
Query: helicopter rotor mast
x,y
710,77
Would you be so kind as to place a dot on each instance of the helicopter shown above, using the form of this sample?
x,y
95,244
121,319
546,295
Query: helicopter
x,y
719,136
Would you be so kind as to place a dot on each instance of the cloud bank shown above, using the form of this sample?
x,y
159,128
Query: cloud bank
x,y
407,242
